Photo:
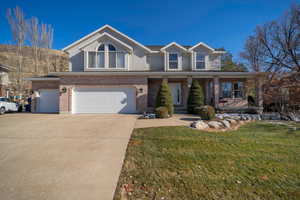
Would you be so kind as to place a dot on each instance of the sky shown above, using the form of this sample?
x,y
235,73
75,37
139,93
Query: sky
x,y
218,23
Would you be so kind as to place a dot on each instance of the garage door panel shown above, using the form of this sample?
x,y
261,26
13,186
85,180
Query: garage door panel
x,y
48,101
104,100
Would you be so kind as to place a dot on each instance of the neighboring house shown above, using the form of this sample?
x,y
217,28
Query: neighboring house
x,y
4,80
110,72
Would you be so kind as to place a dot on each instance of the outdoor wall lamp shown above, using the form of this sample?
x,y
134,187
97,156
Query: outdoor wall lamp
x,y
141,90
63,90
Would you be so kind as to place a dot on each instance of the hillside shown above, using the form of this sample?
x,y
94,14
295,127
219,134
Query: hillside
x,y
48,61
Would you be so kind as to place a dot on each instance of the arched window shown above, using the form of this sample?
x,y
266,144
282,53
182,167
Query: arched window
x,y
101,56
101,47
112,56
111,48
115,58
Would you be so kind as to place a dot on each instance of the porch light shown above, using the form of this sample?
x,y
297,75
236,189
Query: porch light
x,y
141,90
63,90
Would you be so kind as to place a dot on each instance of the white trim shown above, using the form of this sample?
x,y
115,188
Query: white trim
x,y
206,61
201,44
179,57
171,44
106,58
100,29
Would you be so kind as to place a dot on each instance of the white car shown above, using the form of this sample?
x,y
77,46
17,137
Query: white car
x,y
7,106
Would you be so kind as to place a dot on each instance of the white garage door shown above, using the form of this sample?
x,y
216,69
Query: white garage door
x,y
103,100
48,102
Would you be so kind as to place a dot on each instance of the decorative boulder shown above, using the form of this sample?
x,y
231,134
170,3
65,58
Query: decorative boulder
x,y
215,124
232,121
199,125
225,123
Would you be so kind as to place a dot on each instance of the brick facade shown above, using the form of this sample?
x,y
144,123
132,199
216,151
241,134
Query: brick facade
x,y
70,82
146,89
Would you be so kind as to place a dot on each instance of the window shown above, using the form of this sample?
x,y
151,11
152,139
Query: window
x,y
92,59
226,89
115,59
238,90
112,56
173,61
232,89
200,61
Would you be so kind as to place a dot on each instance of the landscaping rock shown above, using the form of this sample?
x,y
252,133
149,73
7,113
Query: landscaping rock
x,y
232,121
215,124
199,125
225,123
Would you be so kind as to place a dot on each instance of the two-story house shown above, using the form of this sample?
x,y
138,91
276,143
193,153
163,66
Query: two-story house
x,y
110,72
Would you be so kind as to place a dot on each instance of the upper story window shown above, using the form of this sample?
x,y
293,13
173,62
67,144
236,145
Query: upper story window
x,y
200,60
173,61
106,56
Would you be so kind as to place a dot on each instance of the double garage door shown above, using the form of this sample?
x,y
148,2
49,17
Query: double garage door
x,y
103,100
91,100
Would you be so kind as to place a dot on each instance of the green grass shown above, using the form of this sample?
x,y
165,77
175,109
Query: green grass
x,y
258,161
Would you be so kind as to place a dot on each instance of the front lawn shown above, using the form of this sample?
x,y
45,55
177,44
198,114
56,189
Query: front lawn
x,y
259,161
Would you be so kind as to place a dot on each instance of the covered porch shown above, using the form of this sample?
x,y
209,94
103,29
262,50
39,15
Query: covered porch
x,y
223,91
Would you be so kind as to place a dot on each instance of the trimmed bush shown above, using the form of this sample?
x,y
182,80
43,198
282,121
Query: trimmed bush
x,y
162,112
206,112
164,98
196,98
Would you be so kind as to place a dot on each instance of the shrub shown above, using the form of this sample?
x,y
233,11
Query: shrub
x,y
206,112
162,112
164,98
196,98
251,101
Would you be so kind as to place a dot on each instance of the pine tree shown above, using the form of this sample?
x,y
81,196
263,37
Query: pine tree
x,y
164,98
196,98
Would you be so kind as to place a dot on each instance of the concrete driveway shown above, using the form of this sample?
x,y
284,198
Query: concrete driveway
x,y
62,157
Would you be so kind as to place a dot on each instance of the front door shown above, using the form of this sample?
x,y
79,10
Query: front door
x,y
176,92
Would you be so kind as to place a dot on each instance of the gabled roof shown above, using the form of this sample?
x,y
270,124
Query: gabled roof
x,y
112,38
158,47
100,29
201,44
173,44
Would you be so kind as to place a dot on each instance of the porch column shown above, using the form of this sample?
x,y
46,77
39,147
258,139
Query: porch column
x,y
259,94
216,91
207,96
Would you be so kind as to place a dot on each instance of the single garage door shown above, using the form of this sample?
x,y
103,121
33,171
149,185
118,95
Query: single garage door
x,y
104,100
48,102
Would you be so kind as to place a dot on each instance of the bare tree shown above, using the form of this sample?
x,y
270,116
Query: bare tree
x,y
17,24
47,41
34,39
275,48
253,54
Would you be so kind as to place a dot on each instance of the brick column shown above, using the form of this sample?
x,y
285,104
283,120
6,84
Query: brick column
x,y
216,91
207,96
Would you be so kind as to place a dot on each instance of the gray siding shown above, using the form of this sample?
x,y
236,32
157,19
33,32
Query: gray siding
x,y
139,59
